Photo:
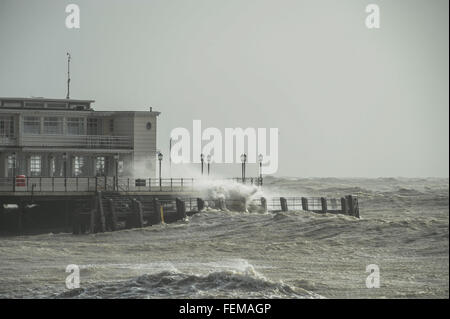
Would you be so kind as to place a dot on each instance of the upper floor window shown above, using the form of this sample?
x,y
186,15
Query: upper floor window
x,y
53,125
6,126
94,126
31,125
37,105
75,126
56,105
12,104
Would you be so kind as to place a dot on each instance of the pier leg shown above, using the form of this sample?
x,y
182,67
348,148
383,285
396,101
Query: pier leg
x,y
353,206
101,212
139,220
112,215
20,213
2,211
323,201
76,222
200,204
283,203
305,204
181,208
66,215
344,207
264,204
157,211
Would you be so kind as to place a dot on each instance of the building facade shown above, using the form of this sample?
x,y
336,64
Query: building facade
x,y
67,138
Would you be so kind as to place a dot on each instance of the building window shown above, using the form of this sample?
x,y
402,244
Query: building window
x,y
53,125
35,165
7,126
56,105
111,125
78,165
94,127
12,104
52,166
35,105
31,125
100,165
11,164
75,126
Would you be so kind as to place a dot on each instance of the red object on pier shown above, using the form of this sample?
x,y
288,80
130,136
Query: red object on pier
x,y
20,180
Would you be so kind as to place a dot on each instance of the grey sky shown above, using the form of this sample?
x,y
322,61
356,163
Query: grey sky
x,y
348,101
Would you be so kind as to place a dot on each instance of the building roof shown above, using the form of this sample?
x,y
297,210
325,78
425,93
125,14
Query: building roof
x,y
43,99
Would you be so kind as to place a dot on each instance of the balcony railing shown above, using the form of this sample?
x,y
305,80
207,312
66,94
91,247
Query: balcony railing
x,y
81,141
7,141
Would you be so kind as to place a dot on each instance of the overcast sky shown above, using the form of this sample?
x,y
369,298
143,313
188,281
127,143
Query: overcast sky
x,y
348,100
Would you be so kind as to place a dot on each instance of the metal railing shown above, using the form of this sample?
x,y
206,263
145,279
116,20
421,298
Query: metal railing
x,y
7,141
82,141
106,183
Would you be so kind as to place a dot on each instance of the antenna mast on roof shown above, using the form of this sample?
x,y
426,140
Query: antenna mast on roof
x,y
68,75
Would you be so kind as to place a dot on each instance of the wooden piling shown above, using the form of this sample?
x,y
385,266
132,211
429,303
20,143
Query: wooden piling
x,y
305,204
112,215
283,203
353,206
344,206
101,212
20,213
76,218
93,219
157,208
181,208
323,201
200,204
264,204
2,211
138,214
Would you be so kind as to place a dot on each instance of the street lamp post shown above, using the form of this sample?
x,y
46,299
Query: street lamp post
x,y
208,159
160,158
243,160
14,171
65,169
260,159
116,160
202,159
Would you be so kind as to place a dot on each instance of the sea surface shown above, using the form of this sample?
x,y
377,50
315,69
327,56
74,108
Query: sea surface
x,y
404,230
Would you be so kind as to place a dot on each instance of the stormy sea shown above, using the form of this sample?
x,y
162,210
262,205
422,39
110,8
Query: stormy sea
x,y
403,229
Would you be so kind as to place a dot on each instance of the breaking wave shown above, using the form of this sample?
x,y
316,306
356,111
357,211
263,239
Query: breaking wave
x,y
175,284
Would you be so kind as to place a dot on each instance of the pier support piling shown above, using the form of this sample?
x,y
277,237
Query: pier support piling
x,y
101,212
304,204
112,215
284,205
138,214
344,206
181,208
264,204
200,204
323,202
